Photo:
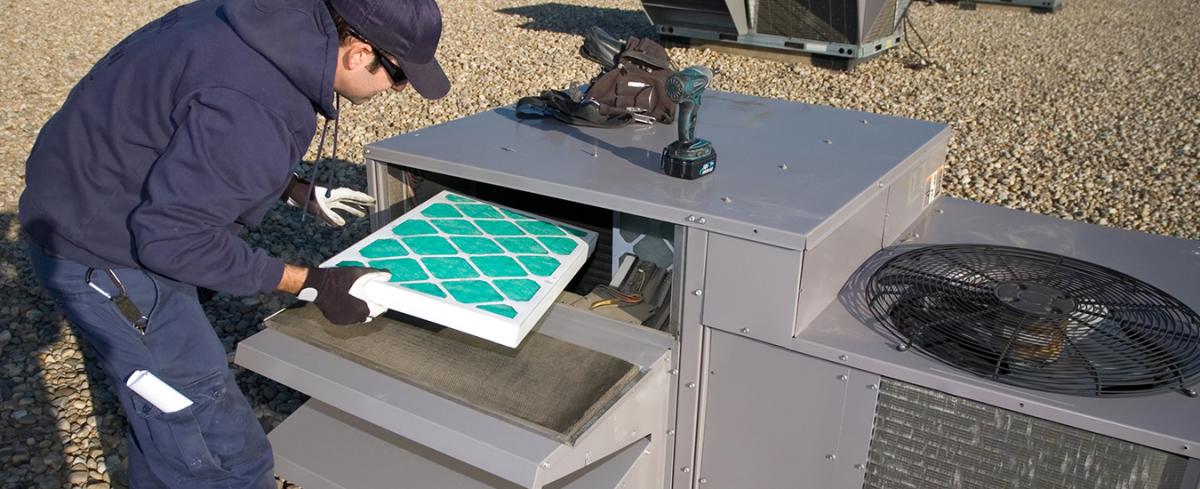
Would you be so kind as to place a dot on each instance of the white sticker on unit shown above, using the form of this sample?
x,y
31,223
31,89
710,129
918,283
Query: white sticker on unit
x,y
816,46
933,184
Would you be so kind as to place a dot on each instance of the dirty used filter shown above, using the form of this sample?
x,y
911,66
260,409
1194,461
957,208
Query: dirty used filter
x,y
926,438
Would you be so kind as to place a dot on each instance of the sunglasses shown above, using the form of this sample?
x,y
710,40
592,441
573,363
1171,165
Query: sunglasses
x,y
393,70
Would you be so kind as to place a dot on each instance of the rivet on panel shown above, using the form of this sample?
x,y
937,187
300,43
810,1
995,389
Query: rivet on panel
x,y
843,357
673,371
701,220
367,151
726,199
703,480
745,330
872,387
843,377
686,469
783,167
941,211
670,432
698,292
545,465
691,218
828,141
860,466
831,457
691,385
864,121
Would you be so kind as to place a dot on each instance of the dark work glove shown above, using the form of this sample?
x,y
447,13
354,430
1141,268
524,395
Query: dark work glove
x,y
338,293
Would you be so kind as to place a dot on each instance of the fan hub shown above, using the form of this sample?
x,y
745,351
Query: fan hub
x,y
1034,298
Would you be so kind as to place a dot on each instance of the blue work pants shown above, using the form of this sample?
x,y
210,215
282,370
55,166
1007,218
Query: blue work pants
x,y
216,442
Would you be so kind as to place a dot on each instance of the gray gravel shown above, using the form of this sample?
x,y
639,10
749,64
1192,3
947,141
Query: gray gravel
x,y
1090,114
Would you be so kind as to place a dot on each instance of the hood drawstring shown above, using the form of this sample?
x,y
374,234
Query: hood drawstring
x,y
312,178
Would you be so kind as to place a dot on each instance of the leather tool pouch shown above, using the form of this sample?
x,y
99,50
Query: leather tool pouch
x,y
633,89
637,85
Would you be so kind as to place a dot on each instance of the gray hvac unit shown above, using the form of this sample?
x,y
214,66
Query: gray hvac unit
x,y
844,29
831,322
1035,5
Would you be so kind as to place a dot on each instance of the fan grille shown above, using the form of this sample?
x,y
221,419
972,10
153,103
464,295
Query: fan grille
x,y
1038,320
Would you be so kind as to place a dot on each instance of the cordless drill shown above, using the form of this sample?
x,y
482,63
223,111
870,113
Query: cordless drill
x,y
689,157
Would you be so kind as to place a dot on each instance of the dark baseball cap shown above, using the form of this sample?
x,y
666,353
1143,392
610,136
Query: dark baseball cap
x,y
409,31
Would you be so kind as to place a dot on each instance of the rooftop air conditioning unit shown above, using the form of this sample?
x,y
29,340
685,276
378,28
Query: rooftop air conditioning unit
x,y
846,30
1035,5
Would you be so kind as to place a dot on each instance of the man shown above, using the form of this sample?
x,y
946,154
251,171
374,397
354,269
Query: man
x,y
185,131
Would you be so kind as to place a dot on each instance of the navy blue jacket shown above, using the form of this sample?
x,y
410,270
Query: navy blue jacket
x,y
184,132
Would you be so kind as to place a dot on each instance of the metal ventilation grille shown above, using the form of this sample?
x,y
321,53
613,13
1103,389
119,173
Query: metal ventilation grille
x,y
1038,320
821,20
884,23
924,438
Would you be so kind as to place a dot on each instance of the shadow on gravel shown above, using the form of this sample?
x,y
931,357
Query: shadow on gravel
x,y
44,380
576,19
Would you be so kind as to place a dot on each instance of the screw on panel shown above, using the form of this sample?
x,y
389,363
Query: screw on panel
x,y
828,141
367,151
943,211
783,167
673,371
864,121
701,220
686,469
670,432
831,457
691,385
843,377
703,480
698,292
860,466
872,387
691,218
545,465
745,330
843,357
726,199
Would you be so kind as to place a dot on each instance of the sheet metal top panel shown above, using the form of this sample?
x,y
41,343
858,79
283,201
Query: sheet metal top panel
x,y
783,168
1171,264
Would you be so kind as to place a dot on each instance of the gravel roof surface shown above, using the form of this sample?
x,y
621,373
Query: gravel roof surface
x,y
1092,113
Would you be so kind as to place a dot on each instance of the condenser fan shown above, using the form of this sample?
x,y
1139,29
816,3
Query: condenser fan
x,y
1038,320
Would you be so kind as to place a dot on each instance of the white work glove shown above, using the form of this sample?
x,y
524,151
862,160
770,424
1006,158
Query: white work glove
x,y
340,293
324,202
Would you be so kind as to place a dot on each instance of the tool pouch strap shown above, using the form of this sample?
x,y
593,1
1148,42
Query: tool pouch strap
x,y
575,111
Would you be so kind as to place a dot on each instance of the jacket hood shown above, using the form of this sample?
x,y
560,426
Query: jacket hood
x,y
298,37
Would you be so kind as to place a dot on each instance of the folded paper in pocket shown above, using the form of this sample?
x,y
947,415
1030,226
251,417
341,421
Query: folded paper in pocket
x,y
157,392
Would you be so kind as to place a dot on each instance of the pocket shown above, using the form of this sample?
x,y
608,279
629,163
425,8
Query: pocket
x,y
188,435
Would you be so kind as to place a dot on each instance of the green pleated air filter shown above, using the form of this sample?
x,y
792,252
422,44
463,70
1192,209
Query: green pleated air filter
x,y
471,265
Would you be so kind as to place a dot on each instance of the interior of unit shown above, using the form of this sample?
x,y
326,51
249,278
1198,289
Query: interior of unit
x,y
628,278
551,383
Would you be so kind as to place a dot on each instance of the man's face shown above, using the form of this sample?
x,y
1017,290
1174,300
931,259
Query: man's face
x,y
354,80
